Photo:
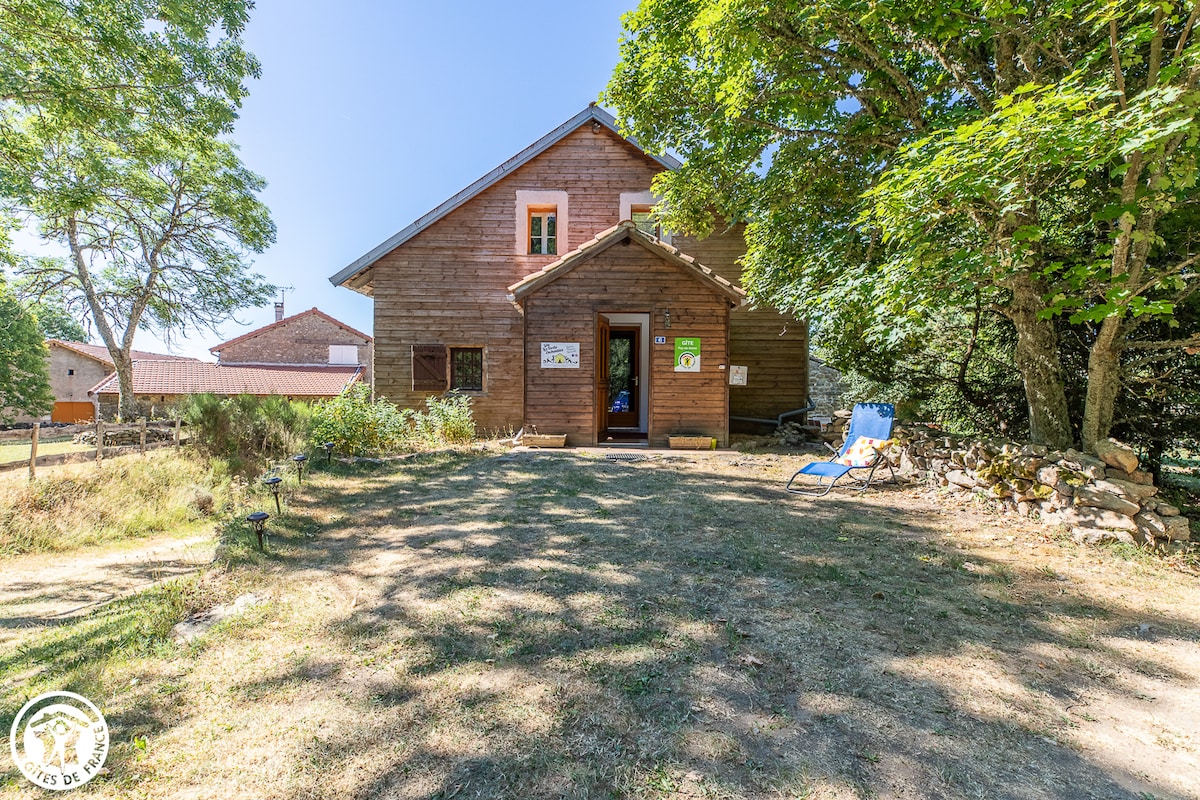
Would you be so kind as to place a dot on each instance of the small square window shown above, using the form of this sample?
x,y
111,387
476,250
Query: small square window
x,y
645,221
466,369
346,354
70,372
543,230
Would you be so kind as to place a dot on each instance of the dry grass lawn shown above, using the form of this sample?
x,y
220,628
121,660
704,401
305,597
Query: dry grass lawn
x,y
555,625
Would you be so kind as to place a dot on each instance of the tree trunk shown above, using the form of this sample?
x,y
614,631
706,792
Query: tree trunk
x,y
1038,360
1103,382
128,408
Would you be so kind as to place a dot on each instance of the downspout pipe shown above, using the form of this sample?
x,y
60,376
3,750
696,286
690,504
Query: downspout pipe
x,y
778,421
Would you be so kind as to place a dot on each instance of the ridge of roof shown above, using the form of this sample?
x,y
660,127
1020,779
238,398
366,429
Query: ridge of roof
x,y
625,229
593,112
98,352
191,377
277,323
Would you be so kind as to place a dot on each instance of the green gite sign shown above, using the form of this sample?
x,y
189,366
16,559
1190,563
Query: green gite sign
x,y
687,354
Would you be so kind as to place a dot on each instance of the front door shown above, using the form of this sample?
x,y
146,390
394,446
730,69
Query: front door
x,y
623,378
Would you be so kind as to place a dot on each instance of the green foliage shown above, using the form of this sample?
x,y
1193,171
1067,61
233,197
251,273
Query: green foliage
x,y
247,431
894,161
359,426
111,114
448,419
24,379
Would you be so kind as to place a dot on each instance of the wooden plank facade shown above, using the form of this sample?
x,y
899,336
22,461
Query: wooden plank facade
x,y
443,282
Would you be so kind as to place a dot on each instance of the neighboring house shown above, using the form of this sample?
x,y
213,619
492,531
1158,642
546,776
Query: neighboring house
x,y
310,338
308,356
157,384
75,368
544,292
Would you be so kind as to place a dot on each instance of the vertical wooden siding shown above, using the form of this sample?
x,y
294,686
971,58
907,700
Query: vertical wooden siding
x,y
628,279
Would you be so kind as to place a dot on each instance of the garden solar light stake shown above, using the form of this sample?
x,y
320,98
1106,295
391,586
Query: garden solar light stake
x,y
300,459
259,520
328,452
274,482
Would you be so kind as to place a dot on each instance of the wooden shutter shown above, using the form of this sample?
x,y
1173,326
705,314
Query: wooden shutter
x,y
429,368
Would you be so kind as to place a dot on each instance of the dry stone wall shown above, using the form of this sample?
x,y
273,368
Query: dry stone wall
x,y
1101,498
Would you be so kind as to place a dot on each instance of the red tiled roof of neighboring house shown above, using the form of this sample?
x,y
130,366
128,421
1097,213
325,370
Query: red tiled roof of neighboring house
x,y
285,321
202,377
100,353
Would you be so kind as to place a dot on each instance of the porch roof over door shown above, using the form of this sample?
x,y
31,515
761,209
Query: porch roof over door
x,y
625,231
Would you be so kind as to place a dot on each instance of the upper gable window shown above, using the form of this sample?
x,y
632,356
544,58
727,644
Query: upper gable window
x,y
541,222
644,219
543,230
636,206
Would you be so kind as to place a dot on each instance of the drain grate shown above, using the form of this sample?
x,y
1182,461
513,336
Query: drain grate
x,y
626,457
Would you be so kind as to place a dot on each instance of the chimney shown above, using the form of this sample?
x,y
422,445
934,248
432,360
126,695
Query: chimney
x,y
278,311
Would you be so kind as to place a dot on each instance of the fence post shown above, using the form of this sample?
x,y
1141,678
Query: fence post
x,y
99,440
142,429
178,422
33,443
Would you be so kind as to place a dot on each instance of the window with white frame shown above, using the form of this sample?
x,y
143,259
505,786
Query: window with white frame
x,y
543,230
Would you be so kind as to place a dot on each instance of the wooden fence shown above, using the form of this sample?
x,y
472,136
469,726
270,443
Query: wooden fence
x,y
98,452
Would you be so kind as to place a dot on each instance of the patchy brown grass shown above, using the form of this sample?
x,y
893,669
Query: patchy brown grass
x,y
462,625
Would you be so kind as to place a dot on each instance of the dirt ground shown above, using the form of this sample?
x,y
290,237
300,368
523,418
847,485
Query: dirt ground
x,y
41,590
557,625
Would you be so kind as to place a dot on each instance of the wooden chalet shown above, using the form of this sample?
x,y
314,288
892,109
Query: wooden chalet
x,y
544,291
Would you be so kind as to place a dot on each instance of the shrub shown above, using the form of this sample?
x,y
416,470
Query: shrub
x,y
449,420
357,425
246,431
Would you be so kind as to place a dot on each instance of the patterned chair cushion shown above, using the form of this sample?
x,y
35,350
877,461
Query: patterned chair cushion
x,y
862,453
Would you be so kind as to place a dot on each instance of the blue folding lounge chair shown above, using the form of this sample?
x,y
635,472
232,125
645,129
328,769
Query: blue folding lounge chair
x,y
870,427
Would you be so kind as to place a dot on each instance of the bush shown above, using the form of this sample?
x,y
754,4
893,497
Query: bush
x,y
246,431
357,425
449,420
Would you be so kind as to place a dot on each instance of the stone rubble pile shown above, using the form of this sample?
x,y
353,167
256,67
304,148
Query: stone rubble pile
x,y
1101,498
125,438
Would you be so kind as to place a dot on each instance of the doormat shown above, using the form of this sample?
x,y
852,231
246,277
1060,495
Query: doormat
x,y
626,457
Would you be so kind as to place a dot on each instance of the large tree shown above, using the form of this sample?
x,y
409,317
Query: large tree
x,y
161,247
24,380
112,114
896,159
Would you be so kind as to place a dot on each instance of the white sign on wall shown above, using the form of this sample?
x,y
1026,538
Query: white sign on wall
x,y
560,355
737,376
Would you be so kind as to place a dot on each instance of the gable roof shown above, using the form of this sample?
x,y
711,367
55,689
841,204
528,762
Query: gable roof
x,y
614,235
593,113
280,323
205,377
98,352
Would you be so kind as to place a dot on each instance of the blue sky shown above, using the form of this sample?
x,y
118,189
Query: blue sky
x,y
369,114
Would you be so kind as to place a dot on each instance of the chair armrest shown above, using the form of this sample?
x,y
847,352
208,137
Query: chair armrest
x,y
830,447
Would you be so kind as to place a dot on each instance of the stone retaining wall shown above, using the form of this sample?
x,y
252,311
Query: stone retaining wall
x,y
1104,498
